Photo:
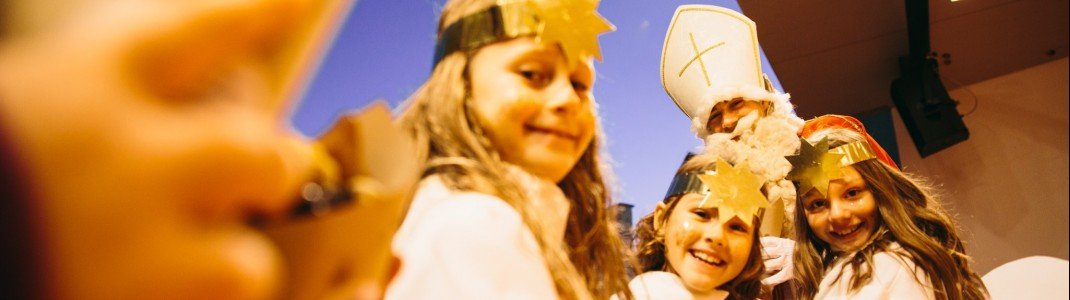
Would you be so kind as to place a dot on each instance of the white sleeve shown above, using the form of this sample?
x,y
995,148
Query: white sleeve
x,y
474,247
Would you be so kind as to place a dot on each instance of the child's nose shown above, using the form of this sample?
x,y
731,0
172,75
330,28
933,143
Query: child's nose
x,y
563,97
714,234
839,214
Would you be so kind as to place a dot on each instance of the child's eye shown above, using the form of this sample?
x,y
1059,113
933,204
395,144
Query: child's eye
x,y
580,87
816,205
852,193
535,77
701,214
738,227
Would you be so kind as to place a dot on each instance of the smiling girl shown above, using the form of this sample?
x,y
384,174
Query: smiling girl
x,y
513,202
867,230
691,248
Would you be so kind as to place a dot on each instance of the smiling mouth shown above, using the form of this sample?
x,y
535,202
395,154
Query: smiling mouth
x,y
711,260
554,132
847,232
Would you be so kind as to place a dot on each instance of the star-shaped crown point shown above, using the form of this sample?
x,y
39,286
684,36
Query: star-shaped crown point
x,y
575,24
815,166
735,191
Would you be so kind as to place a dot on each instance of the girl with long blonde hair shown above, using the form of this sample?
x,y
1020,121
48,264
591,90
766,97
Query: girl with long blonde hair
x,y
513,201
867,230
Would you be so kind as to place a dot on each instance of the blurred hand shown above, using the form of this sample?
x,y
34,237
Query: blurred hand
x,y
343,251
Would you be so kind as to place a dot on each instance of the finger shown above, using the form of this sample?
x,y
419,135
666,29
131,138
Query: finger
x,y
773,265
778,278
767,255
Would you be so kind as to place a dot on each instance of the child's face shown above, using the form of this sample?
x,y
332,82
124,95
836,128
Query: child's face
x,y
724,115
704,252
537,111
847,217
152,134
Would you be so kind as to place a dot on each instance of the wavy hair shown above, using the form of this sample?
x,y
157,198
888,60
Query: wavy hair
x,y
908,214
650,246
589,263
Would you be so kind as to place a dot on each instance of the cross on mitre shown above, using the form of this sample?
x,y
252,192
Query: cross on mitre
x,y
706,48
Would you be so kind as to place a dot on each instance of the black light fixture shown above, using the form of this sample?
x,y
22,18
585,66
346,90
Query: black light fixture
x,y
921,99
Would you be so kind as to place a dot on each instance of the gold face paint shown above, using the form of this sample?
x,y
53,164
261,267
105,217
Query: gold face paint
x,y
684,233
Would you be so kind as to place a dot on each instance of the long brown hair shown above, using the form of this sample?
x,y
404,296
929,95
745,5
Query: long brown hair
x,y
650,251
909,215
589,263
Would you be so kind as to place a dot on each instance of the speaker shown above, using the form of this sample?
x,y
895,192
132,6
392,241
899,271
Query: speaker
x,y
925,107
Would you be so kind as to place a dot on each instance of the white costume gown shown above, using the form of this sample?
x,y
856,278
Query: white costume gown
x,y
467,245
894,277
658,285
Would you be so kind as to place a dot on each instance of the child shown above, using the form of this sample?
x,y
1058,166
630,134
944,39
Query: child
x,y
148,144
513,202
701,242
868,231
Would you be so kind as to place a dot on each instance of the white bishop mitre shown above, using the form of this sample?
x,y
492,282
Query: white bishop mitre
x,y
711,55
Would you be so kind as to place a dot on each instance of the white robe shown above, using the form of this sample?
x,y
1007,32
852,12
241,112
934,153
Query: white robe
x,y
894,277
467,245
658,285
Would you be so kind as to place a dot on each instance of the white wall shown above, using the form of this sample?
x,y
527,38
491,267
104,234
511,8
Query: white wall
x,y
1007,186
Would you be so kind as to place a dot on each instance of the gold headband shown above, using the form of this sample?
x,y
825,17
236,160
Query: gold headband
x,y
854,152
574,24
734,190
686,183
816,164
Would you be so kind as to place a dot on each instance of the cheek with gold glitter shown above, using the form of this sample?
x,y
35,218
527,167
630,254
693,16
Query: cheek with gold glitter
x,y
683,235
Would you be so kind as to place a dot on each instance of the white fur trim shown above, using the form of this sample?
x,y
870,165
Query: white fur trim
x,y
763,143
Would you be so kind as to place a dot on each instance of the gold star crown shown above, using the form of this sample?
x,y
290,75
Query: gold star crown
x,y
816,165
734,190
574,24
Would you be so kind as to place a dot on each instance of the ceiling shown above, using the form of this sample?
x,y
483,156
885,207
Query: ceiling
x,y
840,56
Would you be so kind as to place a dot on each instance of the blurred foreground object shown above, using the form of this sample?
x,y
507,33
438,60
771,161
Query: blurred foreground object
x,y
148,138
344,250
1034,277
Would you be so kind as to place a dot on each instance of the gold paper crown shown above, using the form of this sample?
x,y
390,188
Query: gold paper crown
x,y
734,190
816,164
574,24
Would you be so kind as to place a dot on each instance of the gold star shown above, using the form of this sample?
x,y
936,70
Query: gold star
x,y
735,191
815,166
575,24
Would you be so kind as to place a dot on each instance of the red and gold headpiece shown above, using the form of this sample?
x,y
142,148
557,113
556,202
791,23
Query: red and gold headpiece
x,y
816,164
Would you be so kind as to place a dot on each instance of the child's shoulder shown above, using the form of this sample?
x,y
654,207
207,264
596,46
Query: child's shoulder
x,y
435,201
897,264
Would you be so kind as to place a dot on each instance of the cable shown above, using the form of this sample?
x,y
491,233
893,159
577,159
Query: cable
x,y
976,100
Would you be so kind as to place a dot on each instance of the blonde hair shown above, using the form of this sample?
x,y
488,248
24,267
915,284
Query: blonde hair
x,y
589,263
907,213
650,246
